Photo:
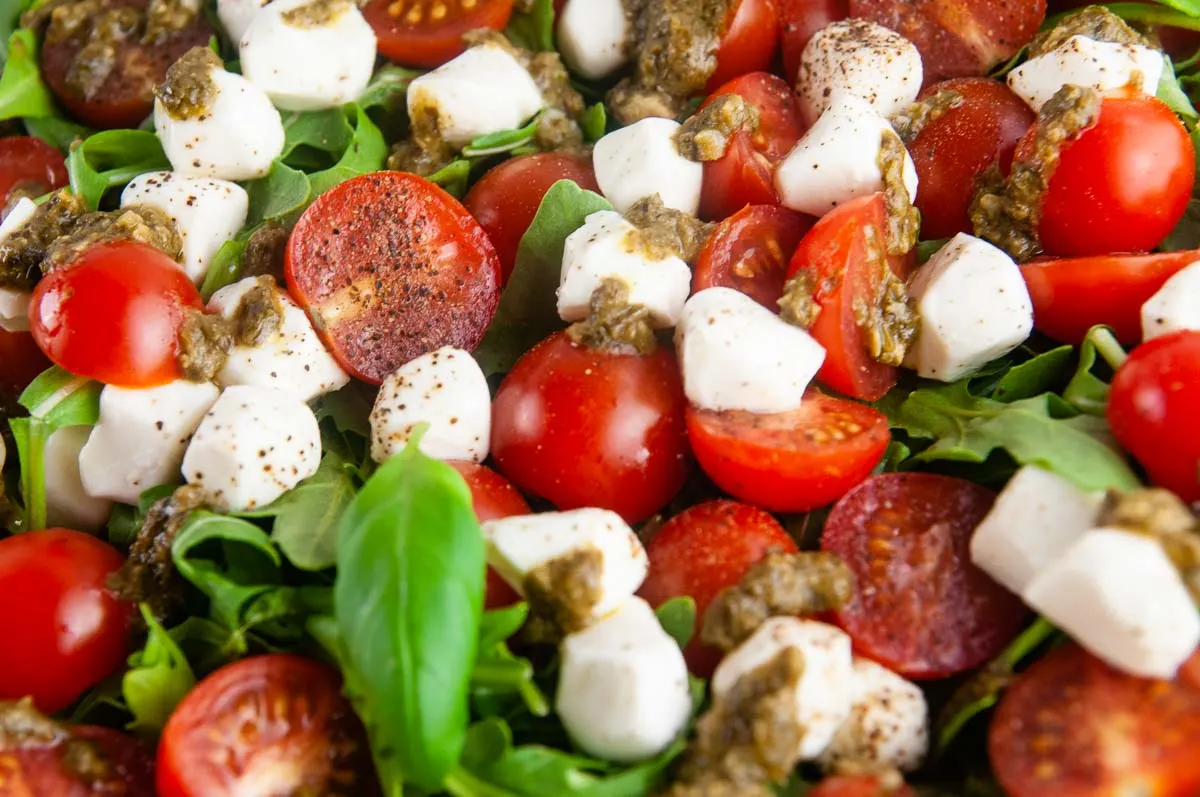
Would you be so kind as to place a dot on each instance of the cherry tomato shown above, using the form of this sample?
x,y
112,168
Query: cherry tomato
x,y
800,20
275,724
30,164
493,497
750,252
1071,726
124,96
20,362
749,41
952,151
745,175
1071,296
1152,410
856,786
507,198
587,428
790,461
839,253
114,314
1121,185
29,769
428,33
921,607
65,631
706,549
389,267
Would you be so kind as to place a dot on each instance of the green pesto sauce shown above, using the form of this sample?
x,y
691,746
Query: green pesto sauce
x,y
189,90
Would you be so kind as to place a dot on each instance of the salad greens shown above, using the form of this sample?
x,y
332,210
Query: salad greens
x,y
158,678
23,93
110,159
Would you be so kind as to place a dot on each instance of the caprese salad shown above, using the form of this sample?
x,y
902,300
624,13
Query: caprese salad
x,y
599,398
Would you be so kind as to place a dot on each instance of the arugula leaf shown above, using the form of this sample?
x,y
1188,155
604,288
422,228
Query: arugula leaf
x,y
110,159
307,517
502,141
388,88
533,29
10,20
225,268
497,671
283,192
158,678
365,154
594,122
678,618
126,521
22,90
408,600
1087,392
57,132
328,131
1175,98
1034,377
453,177
528,310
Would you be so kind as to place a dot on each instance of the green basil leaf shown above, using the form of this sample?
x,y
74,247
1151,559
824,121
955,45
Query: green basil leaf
x,y
498,625
1175,98
1189,7
453,177
408,600
55,131
502,141
225,268
59,398
158,678
327,130
1087,392
110,159
307,517
283,192
388,88
533,29
10,20
594,122
678,618
1034,377
22,90
528,310
365,154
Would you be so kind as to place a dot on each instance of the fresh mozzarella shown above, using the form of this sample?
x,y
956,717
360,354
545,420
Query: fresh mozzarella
x,y
236,15
1036,518
888,724
623,686
862,58
254,445
609,247
1174,308
484,90
1118,595
592,36
518,545
140,438
1083,61
14,303
837,160
292,359
974,307
237,139
738,355
823,693
309,54
207,212
641,160
67,504
445,389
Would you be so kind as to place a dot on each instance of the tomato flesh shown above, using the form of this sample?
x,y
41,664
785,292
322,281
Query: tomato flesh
x,y
856,786
493,497
749,42
30,164
750,252
428,33
30,770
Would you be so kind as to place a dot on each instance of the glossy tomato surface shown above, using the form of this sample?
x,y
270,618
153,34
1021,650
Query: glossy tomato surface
x,y
493,497
273,724
856,786
29,164
64,630
750,252
428,33
587,428
31,769
749,41
921,607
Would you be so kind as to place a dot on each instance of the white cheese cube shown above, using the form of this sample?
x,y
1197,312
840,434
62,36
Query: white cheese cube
x,y
837,160
518,545
67,504
823,694
445,389
1083,61
888,724
140,438
974,307
1174,308
236,15
1036,518
484,90
14,303
254,445
1118,595
592,36
641,160
737,355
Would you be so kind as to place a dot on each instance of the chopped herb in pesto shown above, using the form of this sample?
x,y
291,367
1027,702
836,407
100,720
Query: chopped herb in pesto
x,y
909,123
563,594
888,319
665,232
1095,22
613,324
904,220
189,90
798,305
705,135
205,340
315,13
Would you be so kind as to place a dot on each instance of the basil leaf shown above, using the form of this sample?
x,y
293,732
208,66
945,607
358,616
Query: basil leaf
x,y
283,192
678,618
528,310
594,122
534,29
1189,7
110,159
225,268
453,177
10,20
55,131
1087,392
1170,92
307,517
502,141
1034,377
158,678
407,600
365,154
388,88
1173,13
22,90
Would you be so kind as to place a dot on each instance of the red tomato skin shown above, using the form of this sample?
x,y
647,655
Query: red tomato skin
x,y
114,315
1121,185
749,42
585,428
922,608
20,362
703,550
65,631
25,159
1152,410
29,771
493,497
423,41
790,462
799,21
952,151
856,786
750,252
1073,295
507,198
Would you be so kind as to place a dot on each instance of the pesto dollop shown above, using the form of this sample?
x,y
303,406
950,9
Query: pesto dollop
x,y
888,318
904,220
798,305
315,13
1095,22
613,324
189,90
1162,516
563,594
705,135
665,232
205,339
23,251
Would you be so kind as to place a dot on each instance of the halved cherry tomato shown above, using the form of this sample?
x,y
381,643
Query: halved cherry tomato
x,y
745,175
493,497
1071,726
750,252
64,631
953,150
389,267
30,164
841,253
428,33
587,428
703,550
1071,296
790,461
856,786
20,362
275,724
1121,185
800,20
30,769
749,41
921,607
506,199
114,314
1152,410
